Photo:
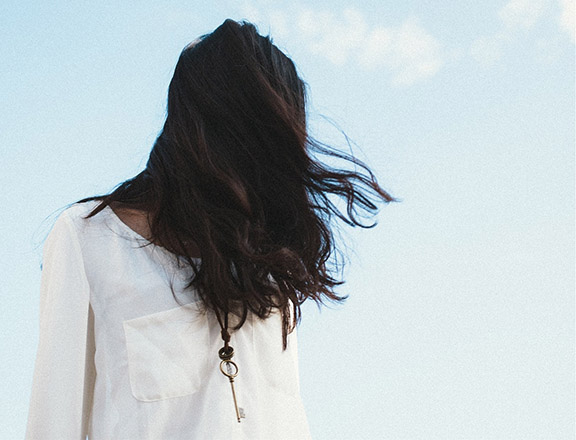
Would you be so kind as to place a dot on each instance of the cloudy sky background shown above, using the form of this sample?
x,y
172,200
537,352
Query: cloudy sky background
x,y
460,321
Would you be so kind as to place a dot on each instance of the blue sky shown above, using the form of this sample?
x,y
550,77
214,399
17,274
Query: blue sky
x,y
460,321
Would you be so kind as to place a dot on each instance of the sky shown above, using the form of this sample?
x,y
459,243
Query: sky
x,y
460,317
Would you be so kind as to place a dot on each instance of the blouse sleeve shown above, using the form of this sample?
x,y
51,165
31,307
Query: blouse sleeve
x,y
64,372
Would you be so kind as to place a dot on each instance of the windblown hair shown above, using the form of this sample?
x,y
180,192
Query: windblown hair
x,y
233,171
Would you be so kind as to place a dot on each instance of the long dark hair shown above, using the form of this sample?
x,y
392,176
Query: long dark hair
x,y
233,171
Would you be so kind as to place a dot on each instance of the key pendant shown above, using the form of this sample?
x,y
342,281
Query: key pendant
x,y
229,369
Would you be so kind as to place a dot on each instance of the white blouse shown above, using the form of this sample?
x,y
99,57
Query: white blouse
x,y
119,358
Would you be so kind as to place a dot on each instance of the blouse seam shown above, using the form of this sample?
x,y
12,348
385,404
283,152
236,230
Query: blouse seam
x,y
71,225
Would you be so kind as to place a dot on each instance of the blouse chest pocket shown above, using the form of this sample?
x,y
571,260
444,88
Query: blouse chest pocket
x,y
167,352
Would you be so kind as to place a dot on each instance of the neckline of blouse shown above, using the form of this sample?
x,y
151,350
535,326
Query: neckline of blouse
x,y
139,237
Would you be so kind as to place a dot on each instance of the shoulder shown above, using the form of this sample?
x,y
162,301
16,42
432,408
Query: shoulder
x,y
64,232
74,218
79,210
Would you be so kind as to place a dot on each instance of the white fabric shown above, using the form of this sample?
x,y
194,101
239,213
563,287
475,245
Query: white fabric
x,y
119,358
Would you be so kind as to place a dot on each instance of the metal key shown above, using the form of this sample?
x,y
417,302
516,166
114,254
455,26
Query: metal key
x,y
231,375
231,372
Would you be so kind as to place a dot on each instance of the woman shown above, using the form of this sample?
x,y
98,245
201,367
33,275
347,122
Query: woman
x,y
168,306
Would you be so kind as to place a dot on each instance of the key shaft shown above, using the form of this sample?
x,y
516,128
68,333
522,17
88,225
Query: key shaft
x,y
234,397
231,375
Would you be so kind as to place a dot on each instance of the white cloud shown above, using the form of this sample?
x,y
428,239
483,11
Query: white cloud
x,y
522,13
377,47
516,16
407,51
415,53
567,17
330,37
